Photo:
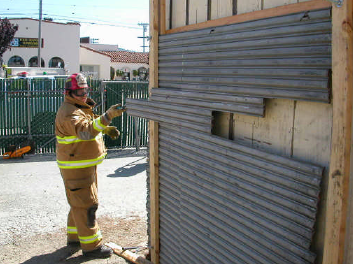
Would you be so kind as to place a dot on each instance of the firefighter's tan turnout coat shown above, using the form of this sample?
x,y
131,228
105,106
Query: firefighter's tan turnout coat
x,y
80,148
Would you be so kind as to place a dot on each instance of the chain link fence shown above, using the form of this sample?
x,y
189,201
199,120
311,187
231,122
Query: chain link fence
x,y
28,108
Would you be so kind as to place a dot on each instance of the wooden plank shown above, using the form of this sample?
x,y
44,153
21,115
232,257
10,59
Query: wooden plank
x,y
197,11
167,14
249,6
312,132
243,128
163,17
274,132
273,3
155,25
277,11
312,143
128,255
221,8
178,13
348,253
340,165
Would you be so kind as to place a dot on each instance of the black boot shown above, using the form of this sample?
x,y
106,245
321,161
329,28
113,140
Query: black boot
x,y
73,243
101,252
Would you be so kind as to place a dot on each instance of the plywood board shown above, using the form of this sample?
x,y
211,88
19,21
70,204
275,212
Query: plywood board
x,y
197,11
178,13
221,8
312,143
312,132
248,6
274,132
243,128
275,3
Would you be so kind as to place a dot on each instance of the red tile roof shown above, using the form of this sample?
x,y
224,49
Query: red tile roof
x,y
127,56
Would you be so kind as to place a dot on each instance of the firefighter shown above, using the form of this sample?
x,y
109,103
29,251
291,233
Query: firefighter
x,y
80,148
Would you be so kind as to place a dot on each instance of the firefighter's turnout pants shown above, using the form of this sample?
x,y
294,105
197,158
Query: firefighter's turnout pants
x,y
81,192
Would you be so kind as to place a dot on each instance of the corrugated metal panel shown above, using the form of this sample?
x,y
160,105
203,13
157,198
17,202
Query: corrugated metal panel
x,y
280,57
237,202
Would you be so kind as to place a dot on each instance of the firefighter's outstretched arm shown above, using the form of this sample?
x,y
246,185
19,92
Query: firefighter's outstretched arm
x,y
114,111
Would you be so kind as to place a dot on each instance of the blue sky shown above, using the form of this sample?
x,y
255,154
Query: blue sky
x,y
110,21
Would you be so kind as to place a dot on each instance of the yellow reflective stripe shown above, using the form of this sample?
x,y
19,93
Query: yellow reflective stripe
x,y
73,139
71,230
90,239
77,164
98,125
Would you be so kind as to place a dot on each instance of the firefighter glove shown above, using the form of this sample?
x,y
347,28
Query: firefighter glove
x,y
114,111
112,132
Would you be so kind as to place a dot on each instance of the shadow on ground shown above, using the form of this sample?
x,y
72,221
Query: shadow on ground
x,y
59,256
130,169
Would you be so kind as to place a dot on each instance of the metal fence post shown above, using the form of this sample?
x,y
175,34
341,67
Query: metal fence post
x,y
137,134
29,108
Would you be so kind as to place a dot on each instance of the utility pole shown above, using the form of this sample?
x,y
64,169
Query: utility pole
x,y
144,25
39,64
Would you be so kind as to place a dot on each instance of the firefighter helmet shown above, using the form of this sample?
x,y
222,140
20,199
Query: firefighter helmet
x,y
76,81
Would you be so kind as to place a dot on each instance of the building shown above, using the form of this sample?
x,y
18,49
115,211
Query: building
x,y
60,47
127,65
94,63
62,53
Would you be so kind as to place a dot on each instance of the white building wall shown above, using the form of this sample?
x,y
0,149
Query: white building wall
x,y
60,40
91,58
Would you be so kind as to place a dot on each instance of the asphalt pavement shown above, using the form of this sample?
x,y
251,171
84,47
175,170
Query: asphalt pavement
x,y
33,201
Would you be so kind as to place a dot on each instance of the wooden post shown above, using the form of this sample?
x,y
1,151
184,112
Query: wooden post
x,y
157,23
339,173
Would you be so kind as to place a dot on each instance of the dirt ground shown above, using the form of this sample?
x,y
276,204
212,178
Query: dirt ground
x,y
29,236
51,248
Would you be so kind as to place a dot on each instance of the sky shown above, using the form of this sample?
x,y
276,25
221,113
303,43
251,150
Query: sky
x,y
109,21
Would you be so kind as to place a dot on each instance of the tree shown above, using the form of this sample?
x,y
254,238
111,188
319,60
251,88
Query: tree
x,y
7,33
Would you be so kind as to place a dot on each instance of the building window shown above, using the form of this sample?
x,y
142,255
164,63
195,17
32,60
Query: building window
x,y
33,62
56,62
16,61
91,71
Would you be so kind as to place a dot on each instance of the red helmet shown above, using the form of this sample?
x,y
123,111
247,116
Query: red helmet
x,y
76,81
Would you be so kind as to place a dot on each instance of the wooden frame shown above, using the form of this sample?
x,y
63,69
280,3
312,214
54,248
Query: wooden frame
x,y
157,14
340,167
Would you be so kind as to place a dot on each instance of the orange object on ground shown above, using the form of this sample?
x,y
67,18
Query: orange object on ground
x,y
17,153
